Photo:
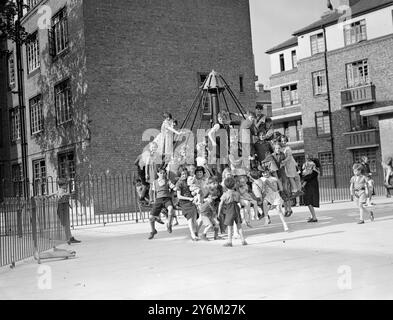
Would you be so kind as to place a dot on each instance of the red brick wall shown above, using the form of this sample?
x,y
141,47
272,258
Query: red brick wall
x,y
143,58
379,53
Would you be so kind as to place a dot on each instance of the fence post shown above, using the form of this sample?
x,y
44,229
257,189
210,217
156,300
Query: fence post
x,y
34,223
19,226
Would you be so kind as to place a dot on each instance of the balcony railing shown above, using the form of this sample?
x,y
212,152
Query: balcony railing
x,y
362,139
359,95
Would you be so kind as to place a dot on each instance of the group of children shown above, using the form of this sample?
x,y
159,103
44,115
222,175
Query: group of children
x,y
222,202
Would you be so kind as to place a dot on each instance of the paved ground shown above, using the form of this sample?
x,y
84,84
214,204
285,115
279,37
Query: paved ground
x,y
334,259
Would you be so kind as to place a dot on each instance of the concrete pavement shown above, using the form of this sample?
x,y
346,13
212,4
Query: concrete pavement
x,y
333,259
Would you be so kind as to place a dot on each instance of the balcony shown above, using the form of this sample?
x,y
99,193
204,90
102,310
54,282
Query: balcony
x,y
362,139
281,114
359,95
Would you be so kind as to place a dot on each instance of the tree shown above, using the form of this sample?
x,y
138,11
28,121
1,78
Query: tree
x,y
8,22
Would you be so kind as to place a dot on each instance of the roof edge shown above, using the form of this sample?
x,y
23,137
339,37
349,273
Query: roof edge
x,y
304,31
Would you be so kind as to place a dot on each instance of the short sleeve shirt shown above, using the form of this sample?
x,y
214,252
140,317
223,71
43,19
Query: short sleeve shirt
x,y
230,196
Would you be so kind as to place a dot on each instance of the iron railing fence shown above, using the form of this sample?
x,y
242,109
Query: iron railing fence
x,y
334,190
28,226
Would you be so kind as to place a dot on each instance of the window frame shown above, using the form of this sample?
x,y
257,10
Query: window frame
x,y
11,85
15,127
294,59
40,116
70,108
294,100
330,171
355,31
282,62
322,75
30,53
40,182
351,83
324,114
320,47
53,32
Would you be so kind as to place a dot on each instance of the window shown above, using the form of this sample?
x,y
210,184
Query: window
x,y
357,73
282,62
241,84
206,105
294,59
66,162
326,161
16,176
371,154
319,82
36,117
359,123
58,35
317,43
63,102
11,71
33,53
289,95
322,123
355,32
39,177
15,132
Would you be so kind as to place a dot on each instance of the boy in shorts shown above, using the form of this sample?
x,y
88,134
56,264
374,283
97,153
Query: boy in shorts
x,y
359,189
162,199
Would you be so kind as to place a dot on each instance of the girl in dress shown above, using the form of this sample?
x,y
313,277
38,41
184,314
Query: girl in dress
x,y
272,188
230,208
165,139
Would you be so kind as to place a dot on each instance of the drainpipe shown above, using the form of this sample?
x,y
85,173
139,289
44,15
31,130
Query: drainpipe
x,y
329,106
21,99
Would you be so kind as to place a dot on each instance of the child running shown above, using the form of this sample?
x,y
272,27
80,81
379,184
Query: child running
x,y
273,187
359,190
230,206
162,199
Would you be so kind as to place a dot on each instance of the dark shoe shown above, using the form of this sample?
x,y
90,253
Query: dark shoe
x,y
176,223
73,240
288,214
227,245
372,216
152,234
216,234
158,220
169,228
244,243
361,222
312,220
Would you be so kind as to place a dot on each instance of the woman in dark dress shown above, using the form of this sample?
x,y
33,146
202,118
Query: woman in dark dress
x,y
311,190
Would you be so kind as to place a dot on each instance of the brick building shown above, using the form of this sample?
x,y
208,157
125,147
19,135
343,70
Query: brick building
x,y
355,73
104,71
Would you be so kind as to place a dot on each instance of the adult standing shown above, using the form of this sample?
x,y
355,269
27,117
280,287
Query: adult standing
x,y
219,138
311,190
63,209
387,166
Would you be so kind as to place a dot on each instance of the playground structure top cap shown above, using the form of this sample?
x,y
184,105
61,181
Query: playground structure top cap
x,y
214,82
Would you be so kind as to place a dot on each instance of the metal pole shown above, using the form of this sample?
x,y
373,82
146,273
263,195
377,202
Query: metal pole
x,y
21,98
215,105
329,107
